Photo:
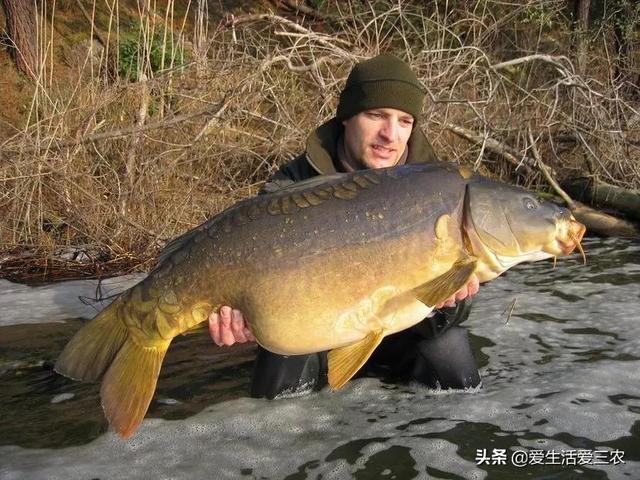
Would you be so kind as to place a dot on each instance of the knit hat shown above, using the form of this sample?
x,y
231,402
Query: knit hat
x,y
384,81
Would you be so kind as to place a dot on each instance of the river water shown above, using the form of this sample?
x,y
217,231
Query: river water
x,y
560,397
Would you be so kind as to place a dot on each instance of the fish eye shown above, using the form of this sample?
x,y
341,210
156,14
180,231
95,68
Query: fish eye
x,y
530,203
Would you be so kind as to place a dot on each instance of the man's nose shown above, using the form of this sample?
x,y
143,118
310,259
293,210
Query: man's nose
x,y
389,130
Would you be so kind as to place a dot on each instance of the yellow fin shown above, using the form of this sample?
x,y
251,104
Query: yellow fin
x,y
90,352
344,362
128,385
440,288
201,327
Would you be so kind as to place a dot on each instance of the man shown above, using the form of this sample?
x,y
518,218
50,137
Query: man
x,y
375,127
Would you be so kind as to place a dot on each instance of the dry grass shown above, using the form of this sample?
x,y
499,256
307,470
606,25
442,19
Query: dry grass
x,y
116,167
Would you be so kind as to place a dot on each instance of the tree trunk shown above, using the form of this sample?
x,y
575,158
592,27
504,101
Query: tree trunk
x,y
582,48
625,45
22,31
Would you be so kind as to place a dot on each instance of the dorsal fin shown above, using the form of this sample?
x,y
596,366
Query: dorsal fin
x,y
177,243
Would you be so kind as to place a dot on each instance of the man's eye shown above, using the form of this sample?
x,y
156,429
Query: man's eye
x,y
406,122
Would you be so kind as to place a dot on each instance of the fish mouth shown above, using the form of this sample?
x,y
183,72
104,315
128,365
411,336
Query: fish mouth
x,y
569,237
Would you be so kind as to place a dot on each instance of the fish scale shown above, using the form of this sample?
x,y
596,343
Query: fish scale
x,y
332,263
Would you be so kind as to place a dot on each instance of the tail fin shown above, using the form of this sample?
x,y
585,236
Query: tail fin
x,y
106,345
90,352
128,385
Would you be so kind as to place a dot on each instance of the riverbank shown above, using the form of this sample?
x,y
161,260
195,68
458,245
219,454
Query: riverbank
x,y
104,164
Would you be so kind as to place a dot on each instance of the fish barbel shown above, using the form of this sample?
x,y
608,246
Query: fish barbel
x,y
332,263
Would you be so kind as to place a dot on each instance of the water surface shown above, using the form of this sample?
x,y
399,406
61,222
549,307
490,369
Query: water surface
x,y
561,382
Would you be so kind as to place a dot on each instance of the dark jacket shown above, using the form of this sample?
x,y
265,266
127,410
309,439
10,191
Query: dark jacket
x,y
321,158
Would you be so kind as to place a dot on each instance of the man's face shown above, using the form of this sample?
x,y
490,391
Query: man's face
x,y
377,138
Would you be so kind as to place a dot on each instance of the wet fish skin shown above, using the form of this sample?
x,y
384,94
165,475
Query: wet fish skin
x,y
333,263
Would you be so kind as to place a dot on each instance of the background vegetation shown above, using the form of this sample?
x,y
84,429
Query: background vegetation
x,y
143,119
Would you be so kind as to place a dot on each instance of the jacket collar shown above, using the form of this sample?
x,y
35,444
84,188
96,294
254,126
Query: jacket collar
x,y
322,146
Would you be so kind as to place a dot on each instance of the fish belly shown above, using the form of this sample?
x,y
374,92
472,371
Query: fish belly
x,y
386,309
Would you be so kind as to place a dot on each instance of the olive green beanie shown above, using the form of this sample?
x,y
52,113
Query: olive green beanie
x,y
383,81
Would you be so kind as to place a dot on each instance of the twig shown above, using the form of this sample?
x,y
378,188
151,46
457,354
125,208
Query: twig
x,y
547,174
492,145
314,35
591,154
530,58
214,118
510,308
96,31
299,68
122,132
159,239
22,177
300,7
325,40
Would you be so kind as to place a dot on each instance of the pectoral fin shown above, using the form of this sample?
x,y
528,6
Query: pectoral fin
x,y
440,288
202,327
344,362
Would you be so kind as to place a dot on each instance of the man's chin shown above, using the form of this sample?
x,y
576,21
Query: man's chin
x,y
375,161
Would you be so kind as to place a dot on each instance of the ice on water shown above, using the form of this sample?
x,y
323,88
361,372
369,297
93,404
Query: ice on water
x,y
563,373
57,302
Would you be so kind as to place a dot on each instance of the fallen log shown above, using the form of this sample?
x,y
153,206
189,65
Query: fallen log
x,y
603,224
603,195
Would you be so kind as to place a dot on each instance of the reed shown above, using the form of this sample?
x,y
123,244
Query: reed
x,y
122,159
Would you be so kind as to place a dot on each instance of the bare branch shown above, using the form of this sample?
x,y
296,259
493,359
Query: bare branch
x,y
123,132
494,146
547,173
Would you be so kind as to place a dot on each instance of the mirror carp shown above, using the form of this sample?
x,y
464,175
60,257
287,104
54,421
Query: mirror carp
x,y
333,263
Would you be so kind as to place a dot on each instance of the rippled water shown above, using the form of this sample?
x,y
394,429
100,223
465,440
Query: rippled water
x,y
561,383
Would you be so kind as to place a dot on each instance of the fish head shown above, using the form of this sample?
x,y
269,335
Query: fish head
x,y
507,225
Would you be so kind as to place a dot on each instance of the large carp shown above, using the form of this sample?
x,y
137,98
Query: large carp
x,y
333,263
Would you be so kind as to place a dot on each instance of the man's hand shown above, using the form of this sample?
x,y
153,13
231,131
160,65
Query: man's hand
x,y
470,289
228,327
